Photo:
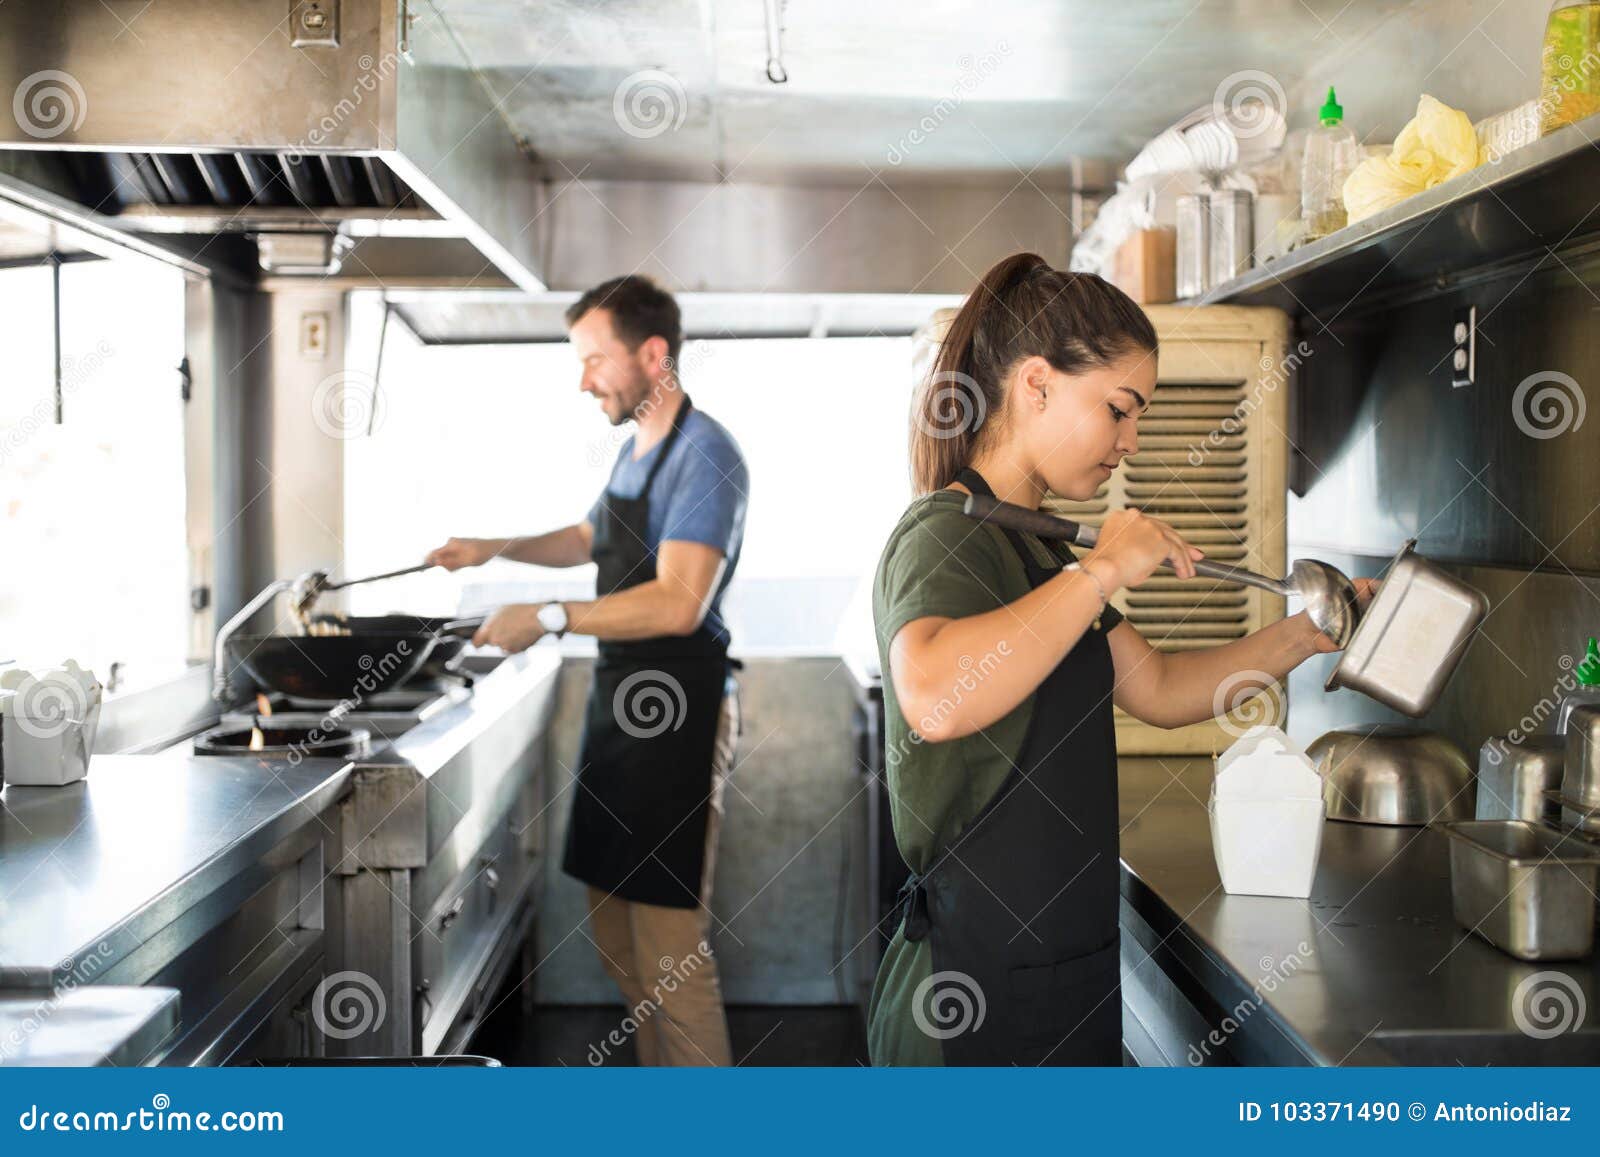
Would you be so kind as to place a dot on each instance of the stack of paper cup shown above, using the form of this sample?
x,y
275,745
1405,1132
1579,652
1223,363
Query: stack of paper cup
x,y
47,724
1266,816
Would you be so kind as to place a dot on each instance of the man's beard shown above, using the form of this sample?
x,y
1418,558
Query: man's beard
x,y
634,400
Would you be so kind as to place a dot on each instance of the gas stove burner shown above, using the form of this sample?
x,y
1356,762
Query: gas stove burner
x,y
275,741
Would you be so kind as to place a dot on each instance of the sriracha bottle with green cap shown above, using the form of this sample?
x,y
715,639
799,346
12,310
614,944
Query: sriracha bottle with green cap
x,y
1587,675
1332,153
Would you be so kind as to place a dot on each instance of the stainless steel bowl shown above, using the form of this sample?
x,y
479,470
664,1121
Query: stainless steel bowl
x,y
1379,773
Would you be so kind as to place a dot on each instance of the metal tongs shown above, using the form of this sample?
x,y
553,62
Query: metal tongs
x,y
1329,597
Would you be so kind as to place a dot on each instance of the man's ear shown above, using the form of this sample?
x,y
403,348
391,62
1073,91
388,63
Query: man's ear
x,y
653,356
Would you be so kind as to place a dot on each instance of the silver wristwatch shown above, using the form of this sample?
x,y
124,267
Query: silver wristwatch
x,y
553,618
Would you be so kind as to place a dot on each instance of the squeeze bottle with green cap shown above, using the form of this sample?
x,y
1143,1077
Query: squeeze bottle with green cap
x,y
1587,673
1332,153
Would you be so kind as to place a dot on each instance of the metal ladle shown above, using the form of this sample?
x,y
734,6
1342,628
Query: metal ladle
x,y
1329,597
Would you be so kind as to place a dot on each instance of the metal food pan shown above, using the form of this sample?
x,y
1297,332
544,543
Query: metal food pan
x,y
1412,637
1527,889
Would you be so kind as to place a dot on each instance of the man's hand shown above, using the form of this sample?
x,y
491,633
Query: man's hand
x,y
512,628
461,552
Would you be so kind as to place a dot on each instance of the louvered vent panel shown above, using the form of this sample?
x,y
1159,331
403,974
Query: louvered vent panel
x,y
1212,461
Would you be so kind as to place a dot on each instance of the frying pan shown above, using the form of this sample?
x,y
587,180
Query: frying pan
x,y
445,649
336,667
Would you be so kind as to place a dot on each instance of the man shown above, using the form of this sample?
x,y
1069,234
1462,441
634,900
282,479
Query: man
x,y
660,725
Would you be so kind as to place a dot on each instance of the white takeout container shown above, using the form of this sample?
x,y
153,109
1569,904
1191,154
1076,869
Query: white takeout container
x,y
1267,813
48,721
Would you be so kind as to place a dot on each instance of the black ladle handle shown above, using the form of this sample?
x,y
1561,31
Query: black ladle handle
x,y
986,509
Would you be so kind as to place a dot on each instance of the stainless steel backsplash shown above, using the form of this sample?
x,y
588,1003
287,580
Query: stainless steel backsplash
x,y
1499,480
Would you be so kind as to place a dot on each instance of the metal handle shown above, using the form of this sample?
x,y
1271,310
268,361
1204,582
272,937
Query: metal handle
x,y
372,578
986,509
463,628
450,914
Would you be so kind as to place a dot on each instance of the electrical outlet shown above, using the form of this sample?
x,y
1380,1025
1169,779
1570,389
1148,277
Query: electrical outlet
x,y
314,336
314,23
1464,337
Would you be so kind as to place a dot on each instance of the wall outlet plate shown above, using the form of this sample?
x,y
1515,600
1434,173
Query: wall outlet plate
x,y
314,23
314,336
1464,340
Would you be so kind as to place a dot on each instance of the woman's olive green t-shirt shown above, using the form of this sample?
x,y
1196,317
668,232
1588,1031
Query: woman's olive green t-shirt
x,y
938,562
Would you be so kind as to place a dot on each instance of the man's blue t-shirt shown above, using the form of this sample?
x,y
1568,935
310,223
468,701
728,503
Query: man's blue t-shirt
x,y
699,496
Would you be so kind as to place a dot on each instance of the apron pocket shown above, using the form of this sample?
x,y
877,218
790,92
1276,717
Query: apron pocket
x,y
1071,1003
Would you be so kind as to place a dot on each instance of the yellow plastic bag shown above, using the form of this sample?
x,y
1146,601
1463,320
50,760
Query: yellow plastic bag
x,y
1436,145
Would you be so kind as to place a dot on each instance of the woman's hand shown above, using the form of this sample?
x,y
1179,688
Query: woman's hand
x,y
1365,589
1133,544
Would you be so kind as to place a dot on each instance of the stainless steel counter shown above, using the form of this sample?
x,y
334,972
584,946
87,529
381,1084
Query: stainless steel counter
x,y
1372,969
100,1025
90,871
241,881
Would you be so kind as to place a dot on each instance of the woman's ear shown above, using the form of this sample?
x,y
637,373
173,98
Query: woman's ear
x,y
1033,380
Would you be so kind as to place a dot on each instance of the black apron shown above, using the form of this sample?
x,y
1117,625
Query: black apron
x,y
1023,904
642,800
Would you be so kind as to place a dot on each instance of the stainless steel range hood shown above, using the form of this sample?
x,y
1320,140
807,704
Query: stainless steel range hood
x,y
350,118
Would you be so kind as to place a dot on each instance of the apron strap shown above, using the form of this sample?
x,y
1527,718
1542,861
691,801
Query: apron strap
x,y
974,482
666,446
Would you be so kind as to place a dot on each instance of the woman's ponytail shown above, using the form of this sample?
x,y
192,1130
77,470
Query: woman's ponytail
x,y
1022,307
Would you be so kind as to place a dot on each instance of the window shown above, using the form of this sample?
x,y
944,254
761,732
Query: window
x,y
497,440
92,511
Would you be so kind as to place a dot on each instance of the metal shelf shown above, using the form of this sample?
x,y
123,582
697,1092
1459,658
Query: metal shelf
x,y
1540,198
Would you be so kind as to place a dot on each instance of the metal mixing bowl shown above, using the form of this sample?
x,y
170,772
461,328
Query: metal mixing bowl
x,y
1385,774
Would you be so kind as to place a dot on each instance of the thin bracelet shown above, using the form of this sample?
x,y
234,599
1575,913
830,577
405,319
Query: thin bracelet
x,y
1099,589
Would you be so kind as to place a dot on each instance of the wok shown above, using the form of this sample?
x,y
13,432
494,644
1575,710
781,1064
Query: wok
x,y
445,649
336,667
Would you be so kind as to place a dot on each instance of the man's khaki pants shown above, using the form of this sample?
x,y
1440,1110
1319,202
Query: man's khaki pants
x,y
661,957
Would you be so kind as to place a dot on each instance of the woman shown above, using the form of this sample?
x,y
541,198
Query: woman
x,y
1003,668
